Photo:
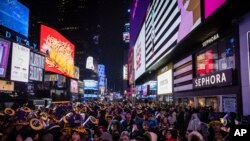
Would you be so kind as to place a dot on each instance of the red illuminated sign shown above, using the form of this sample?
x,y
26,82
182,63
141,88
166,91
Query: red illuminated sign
x,y
60,52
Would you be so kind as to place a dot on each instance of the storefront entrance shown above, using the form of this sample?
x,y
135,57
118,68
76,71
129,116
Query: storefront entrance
x,y
212,102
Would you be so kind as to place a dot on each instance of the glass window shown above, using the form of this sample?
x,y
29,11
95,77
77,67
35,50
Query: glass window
x,y
218,56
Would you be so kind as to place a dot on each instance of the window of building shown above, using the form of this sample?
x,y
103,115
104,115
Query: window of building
x,y
218,56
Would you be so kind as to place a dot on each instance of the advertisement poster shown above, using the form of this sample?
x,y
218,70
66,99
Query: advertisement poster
x,y
4,54
36,67
165,82
229,104
6,85
139,54
73,86
20,63
60,52
77,72
36,73
15,16
90,85
167,23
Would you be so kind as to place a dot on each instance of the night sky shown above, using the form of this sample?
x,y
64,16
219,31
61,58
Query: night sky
x,y
112,20
111,15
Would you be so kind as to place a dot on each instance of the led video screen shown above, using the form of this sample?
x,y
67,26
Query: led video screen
x,y
36,67
6,85
167,23
139,54
4,54
60,52
137,15
73,86
90,85
212,5
20,63
15,16
165,83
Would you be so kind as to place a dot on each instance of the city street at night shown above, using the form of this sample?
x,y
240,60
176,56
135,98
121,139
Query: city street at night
x,y
124,70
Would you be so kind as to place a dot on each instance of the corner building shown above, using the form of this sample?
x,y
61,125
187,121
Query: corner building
x,y
209,55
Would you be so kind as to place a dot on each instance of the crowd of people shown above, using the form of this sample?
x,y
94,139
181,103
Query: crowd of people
x,y
114,121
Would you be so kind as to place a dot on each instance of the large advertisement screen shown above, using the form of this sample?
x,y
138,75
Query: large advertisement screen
x,y
6,85
90,85
165,83
60,52
77,72
15,16
4,54
20,63
137,15
167,23
212,5
73,86
152,85
36,67
139,54
131,66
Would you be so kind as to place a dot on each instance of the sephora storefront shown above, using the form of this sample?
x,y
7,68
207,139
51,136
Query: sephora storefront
x,y
215,81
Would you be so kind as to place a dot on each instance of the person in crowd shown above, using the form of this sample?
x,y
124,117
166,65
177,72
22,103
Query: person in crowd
x,y
96,137
171,135
124,136
215,133
128,123
106,137
195,136
194,123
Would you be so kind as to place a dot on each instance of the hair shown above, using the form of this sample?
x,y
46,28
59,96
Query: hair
x,y
195,136
173,132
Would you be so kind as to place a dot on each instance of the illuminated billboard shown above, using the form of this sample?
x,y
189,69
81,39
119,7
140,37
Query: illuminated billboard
x,y
4,54
77,72
131,66
125,72
36,67
139,54
165,83
60,52
152,85
15,16
212,5
73,86
167,23
90,63
20,63
137,15
6,85
90,85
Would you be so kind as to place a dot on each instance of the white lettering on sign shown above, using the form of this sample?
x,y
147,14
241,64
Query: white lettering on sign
x,y
240,132
210,40
210,80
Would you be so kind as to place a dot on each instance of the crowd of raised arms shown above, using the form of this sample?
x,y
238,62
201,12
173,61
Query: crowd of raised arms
x,y
114,121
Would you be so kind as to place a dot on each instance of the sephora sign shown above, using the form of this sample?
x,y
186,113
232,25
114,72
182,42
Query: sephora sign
x,y
222,78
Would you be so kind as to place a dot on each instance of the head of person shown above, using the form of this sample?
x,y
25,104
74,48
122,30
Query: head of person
x,y
171,134
76,136
128,116
215,125
195,136
96,137
124,137
146,125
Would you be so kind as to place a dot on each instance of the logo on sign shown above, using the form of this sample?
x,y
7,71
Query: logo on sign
x,y
221,78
